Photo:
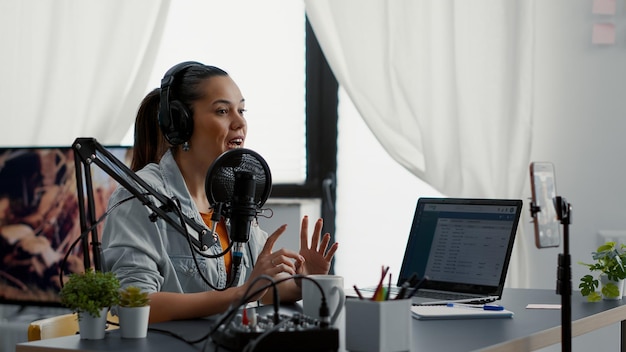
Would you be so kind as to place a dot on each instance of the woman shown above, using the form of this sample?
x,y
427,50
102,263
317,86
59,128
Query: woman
x,y
202,116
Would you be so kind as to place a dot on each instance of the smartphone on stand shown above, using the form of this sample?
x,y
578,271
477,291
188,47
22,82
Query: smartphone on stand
x,y
543,187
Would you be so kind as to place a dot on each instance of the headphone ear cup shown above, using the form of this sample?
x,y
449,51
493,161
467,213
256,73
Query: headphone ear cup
x,y
175,119
180,123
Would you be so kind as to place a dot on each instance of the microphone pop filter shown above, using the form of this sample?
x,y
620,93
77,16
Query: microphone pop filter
x,y
220,179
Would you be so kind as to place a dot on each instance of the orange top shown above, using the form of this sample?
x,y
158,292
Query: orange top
x,y
222,235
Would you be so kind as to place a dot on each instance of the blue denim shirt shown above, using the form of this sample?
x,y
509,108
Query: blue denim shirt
x,y
153,255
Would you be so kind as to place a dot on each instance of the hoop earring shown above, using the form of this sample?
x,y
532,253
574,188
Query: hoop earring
x,y
186,147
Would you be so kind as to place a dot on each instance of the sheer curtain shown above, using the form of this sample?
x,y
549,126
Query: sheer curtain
x,y
59,57
445,87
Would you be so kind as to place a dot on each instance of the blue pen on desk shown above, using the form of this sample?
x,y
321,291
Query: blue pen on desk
x,y
476,306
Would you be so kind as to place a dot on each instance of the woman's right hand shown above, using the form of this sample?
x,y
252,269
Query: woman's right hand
x,y
272,264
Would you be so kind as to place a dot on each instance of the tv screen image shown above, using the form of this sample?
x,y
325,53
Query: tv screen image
x,y
39,220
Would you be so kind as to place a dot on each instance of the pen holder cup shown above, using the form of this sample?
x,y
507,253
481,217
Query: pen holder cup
x,y
378,326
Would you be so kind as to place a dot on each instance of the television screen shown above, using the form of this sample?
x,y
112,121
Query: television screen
x,y
39,220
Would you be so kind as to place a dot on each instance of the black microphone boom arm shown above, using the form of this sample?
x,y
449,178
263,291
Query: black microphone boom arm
x,y
88,151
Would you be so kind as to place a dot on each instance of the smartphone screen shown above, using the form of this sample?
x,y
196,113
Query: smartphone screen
x,y
543,186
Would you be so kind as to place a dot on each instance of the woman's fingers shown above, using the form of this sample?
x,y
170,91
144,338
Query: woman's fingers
x,y
324,244
285,260
315,238
331,251
271,240
304,233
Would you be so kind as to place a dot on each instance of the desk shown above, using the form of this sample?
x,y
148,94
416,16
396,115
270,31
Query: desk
x,y
528,330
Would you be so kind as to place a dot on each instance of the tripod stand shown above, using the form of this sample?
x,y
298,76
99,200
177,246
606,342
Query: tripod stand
x,y
564,274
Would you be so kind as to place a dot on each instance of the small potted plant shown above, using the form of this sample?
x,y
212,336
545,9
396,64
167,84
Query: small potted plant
x,y
90,295
609,263
134,312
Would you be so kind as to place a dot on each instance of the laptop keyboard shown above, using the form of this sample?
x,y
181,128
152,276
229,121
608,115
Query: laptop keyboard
x,y
441,298
444,296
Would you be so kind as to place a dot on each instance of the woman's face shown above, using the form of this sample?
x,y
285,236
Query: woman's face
x,y
219,124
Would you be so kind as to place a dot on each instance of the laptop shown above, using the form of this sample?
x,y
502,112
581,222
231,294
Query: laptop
x,y
462,246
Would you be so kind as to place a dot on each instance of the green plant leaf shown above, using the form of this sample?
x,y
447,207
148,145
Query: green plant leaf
x,y
132,296
606,247
594,297
609,260
610,290
588,285
90,291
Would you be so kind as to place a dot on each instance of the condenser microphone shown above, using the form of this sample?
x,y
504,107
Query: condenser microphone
x,y
243,209
238,183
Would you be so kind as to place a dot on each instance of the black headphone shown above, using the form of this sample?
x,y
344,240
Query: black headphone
x,y
175,119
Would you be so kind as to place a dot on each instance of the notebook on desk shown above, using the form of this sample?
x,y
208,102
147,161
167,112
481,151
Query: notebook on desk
x,y
463,246
436,312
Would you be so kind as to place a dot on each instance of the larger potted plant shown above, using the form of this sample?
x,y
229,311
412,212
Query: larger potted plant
x,y
609,265
90,295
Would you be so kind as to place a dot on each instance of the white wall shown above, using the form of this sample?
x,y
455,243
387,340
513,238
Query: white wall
x,y
580,125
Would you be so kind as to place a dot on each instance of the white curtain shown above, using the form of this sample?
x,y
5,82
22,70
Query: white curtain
x,y
59,60
445,86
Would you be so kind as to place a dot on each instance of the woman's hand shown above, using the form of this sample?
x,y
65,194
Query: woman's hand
x,y
273,264
318,256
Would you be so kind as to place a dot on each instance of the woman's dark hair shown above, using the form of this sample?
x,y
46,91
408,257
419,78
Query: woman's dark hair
x,y
150,144
186,84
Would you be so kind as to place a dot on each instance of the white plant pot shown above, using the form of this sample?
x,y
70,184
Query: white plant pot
x,y
134,321
604,281
92,328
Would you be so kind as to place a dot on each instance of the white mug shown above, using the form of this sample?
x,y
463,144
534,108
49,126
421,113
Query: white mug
x,y
332,285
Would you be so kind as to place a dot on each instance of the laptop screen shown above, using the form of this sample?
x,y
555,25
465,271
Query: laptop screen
x,y
462,245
